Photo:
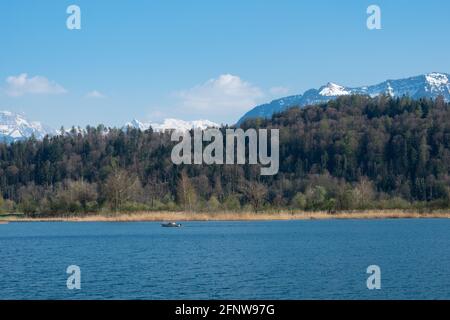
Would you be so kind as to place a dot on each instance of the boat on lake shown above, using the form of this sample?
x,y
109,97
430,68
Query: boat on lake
x,y
171,225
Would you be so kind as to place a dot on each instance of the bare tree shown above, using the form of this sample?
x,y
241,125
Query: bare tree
x,y
186,193
121,187
255,193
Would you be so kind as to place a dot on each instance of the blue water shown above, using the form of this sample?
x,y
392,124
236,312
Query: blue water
x,y
227,260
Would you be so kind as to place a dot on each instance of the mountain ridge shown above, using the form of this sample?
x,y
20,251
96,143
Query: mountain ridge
x,y
170,123
16,127
429,85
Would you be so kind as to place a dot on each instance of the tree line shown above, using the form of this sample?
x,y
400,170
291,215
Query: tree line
x,y
354,152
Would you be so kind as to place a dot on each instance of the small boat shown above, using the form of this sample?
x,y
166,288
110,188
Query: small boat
x,y
171,225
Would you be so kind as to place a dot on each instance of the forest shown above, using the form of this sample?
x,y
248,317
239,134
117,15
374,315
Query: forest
x,y
352,153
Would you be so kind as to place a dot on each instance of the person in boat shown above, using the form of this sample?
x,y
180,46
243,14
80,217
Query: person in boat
x,y
171,224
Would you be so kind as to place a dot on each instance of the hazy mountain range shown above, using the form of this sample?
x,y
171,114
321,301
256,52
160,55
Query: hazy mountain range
x,y
15,126
168,124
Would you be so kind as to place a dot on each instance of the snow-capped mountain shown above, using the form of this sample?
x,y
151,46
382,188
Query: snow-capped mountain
x,y
429,85
15,127
169,124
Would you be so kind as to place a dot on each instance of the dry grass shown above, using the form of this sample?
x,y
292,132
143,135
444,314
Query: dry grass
x,y
234,216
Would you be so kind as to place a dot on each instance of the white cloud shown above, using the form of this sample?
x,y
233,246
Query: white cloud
x,y
223,99
157,115
279,91
95,94
225,93
22,84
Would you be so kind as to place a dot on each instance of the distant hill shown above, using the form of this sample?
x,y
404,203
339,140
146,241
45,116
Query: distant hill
x,y
429,85
351,153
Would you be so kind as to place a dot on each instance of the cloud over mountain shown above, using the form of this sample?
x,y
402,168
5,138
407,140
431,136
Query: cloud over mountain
x,y
223,95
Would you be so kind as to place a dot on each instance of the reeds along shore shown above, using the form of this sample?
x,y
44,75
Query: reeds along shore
x,y
233,216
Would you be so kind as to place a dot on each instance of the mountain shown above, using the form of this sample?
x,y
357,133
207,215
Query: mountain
x,y
429,85
169,124
14,127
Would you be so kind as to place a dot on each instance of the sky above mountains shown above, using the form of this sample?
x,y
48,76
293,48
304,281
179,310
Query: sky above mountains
x,y
196,59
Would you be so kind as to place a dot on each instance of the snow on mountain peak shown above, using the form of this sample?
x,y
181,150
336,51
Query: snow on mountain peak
x,y
333,90
429,85
172,124
15,127
389,90
136,124
436,79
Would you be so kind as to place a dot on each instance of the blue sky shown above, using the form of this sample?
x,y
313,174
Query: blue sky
x,y
198,59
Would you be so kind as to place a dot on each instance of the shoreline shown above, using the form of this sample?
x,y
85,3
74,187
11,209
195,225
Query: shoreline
x,y
228,216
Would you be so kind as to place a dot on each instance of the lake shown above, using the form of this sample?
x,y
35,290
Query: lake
x,y
227,260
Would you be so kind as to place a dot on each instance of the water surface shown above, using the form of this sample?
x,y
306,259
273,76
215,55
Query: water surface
x,y
227,260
